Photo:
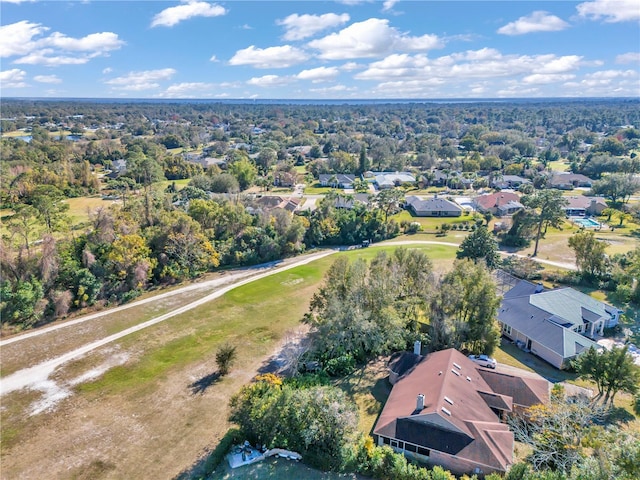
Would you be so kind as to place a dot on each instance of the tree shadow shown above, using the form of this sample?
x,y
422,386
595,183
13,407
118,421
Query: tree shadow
x,y
619,415
201,385
207,464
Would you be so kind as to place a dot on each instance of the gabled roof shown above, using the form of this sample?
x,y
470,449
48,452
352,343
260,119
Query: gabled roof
x,y
581,201
385,178
562,178
547,317
523,391
456,419
340,178
435,204
569,305
497,199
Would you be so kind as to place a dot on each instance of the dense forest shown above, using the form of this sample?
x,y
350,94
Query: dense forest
x,y
159,232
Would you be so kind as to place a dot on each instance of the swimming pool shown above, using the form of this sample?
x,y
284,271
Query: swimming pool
x,y
586,222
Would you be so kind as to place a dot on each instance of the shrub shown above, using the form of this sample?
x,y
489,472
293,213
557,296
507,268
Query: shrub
x,y
225,357
340,366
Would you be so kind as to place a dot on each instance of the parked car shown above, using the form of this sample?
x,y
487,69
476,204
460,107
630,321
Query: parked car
x,y
484,361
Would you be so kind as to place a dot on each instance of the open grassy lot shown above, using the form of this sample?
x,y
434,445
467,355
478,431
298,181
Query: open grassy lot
x,y
180,184
317,189
146,414
558,165
80,207
429,224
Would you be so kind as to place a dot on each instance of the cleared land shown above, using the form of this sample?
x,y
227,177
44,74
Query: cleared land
x,y
136,407
150,404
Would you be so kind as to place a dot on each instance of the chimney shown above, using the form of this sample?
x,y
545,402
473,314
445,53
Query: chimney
x,y
417,347
420,403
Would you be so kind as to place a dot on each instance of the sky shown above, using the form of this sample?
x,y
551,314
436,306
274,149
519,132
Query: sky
x,y
349,49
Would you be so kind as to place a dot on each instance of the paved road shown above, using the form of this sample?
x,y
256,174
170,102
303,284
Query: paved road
x,y
41,372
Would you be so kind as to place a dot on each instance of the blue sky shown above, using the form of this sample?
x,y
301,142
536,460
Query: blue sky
x,y
319,49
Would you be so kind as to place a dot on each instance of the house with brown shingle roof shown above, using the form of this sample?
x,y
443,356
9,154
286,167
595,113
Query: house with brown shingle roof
x,y
579,206
443,411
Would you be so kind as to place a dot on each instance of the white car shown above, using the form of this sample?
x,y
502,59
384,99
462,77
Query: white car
x,y
484,361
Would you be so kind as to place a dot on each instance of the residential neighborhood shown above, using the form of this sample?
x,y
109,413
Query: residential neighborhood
x,y
226,277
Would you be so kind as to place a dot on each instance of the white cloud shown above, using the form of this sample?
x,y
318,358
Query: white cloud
x,y
17,1
610,74
519,92
269,81
299,27
340,89
388,5
350,66
188,90
538,21
371,38
47,79
47,58
545,78
107,70
143,80
55,49
612,11
418,75
320,74
606,83
271,57
214,59
191,8
16,38
630,57
95,42
13,78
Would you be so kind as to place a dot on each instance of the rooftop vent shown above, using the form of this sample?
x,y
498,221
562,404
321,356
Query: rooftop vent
x,y
446,411
420,402
455,372
457,366
448,400
468,379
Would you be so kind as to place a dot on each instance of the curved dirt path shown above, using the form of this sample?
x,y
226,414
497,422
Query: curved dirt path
x,y
40,373
216,282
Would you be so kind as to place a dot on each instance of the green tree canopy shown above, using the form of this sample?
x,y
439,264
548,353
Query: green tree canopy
x,y
480,245
590,253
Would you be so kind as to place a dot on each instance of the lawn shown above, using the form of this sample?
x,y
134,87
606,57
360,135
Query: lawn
x,y
369,388
317,189
80,207
558,166
180,184
429,224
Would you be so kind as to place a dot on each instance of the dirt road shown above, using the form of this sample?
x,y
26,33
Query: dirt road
x,y
33,376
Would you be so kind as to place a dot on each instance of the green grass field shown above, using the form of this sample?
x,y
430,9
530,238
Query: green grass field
x,y
429,224
242,316
317,189
80,207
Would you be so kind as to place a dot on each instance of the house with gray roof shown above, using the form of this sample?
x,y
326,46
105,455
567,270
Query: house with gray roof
x,y
555,325
337,180
433,207
385,180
